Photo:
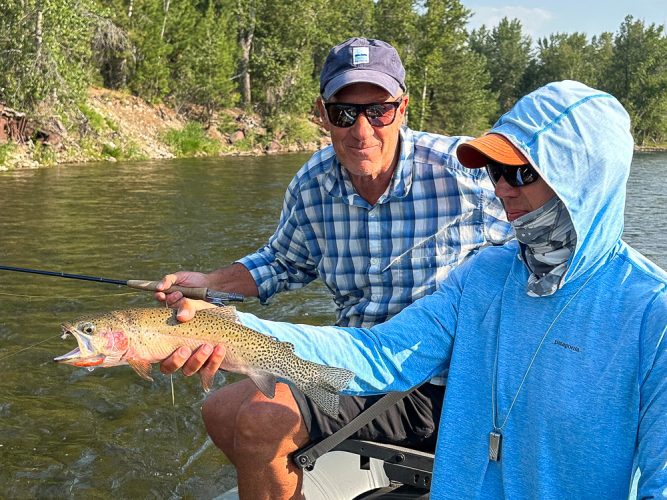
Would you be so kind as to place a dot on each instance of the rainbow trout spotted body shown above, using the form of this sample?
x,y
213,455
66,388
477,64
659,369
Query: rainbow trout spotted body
x,y
139,337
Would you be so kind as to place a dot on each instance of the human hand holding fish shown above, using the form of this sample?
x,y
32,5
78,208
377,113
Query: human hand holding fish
x,y
139,337
207,359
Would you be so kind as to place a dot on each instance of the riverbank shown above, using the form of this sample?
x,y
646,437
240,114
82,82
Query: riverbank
x,y
114,126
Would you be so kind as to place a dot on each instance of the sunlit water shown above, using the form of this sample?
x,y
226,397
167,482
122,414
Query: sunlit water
x,y
68,432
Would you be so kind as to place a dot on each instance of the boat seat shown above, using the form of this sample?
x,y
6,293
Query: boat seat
x,y
402,465
406,468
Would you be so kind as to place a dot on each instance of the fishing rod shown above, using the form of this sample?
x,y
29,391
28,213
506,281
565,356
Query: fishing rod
x,y
212,296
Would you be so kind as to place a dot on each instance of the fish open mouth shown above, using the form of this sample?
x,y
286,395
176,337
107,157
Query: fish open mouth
x,y
84,354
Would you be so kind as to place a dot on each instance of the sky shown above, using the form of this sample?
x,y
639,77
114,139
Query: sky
x,y
540,18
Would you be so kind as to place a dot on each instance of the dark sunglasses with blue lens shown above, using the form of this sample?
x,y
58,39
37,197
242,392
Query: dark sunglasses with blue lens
x,y
378,114
514,175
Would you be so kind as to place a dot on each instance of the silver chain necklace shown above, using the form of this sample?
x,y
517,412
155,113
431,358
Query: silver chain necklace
x,y
496,435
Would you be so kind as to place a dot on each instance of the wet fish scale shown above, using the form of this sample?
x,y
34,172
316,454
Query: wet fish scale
x,y
139,337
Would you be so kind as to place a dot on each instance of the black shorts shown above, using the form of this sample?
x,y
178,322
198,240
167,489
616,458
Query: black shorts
x,y
412,422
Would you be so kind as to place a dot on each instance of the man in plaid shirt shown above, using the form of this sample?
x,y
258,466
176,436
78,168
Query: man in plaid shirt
x,y
381,217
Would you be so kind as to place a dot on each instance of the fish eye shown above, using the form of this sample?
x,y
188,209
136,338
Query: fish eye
x,y
88,328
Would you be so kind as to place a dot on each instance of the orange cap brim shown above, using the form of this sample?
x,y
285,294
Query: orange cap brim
x,y
478,152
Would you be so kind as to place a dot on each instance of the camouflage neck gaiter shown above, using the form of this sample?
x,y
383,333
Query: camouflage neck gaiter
x,y
547,240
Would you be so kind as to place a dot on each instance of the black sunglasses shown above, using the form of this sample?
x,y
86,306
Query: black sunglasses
x,y
515,175
378,114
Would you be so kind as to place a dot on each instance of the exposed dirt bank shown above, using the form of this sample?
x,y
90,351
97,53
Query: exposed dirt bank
x,y
114,126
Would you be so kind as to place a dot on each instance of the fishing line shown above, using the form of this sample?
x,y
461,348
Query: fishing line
x,y
29,347
69,297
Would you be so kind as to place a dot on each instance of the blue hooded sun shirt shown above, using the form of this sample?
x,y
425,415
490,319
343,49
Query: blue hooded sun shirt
x,y
593,407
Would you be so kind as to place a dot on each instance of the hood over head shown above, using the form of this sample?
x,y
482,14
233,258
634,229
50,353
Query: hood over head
x,y
578,139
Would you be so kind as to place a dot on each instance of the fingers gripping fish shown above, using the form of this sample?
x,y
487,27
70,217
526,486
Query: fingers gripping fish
x,y
139,337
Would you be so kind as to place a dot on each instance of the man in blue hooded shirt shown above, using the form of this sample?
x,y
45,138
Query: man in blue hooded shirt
x,y
555,343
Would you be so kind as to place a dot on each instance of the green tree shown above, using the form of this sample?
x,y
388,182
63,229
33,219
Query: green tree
x,y
202,56
245,12
602,54
335,22
448,82
112,47
507,53
282,62
395,22
44,52
637,76
148,22
566,57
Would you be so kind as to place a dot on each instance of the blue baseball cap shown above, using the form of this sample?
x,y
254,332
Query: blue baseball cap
x,y
360,60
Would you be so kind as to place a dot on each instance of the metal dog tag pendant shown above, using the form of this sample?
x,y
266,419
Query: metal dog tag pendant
x,y
495,444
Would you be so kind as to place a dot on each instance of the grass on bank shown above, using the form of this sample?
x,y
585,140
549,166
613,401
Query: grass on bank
x,y
190,141
5,152
290,129
96,121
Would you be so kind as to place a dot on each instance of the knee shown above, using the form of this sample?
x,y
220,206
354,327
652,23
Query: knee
x,y
239,417
262,422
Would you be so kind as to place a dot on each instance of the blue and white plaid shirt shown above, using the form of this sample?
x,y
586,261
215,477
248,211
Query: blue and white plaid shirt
x,y
377,259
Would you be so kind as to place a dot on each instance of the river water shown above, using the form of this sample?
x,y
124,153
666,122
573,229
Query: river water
x,y
68,432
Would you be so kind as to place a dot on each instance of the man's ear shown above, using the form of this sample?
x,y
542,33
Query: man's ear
x,y
323,114
404,105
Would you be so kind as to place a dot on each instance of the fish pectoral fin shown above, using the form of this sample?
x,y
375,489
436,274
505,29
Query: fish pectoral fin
x,y
207,380
265,382
143,368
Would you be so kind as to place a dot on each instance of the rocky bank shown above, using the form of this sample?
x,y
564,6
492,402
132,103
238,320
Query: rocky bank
x,y
114,125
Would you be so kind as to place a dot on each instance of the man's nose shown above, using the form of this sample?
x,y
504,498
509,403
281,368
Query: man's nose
x,y
362,127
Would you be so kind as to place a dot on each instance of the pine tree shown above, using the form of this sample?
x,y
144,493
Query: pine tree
x,y
151,76
282,63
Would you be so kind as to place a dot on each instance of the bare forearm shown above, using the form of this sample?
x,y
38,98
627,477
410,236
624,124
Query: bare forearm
x,y
233,278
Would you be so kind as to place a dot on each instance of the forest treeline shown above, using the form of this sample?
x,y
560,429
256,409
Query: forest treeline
x,y
266,55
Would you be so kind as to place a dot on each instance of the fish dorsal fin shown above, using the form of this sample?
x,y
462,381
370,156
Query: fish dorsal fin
x,y
287,345
265,382
143,368
225,312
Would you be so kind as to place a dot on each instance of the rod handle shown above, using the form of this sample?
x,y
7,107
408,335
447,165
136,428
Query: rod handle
x,y
191,293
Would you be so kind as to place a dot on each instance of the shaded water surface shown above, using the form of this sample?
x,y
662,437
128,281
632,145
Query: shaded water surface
x,y
68,432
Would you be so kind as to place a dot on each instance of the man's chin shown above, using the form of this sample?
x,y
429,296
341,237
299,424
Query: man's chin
x,y
365,169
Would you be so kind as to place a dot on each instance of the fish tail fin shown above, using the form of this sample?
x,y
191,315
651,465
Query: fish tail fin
x,y
324,386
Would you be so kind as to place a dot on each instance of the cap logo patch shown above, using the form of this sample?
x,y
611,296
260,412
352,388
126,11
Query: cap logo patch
x,y
360,55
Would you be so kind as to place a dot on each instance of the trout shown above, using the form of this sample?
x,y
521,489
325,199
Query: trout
x,y
139,337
